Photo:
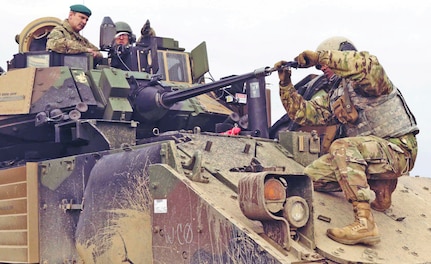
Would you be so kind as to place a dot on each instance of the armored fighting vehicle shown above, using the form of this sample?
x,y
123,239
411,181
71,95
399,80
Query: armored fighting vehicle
x,y
155,165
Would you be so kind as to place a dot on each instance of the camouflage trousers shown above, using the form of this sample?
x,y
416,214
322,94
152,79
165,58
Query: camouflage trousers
x,y
351,161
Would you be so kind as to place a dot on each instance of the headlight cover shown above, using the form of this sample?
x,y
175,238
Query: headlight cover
x,y
296,211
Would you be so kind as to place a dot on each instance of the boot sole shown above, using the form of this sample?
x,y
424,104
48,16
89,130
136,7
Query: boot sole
x,y
380,208
367,241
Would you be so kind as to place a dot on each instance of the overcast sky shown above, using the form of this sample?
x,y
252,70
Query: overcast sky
x,y
242,36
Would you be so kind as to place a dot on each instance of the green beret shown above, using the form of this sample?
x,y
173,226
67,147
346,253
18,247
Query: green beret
x,y
81,9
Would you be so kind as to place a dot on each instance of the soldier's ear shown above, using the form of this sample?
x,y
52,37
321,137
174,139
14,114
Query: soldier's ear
x,y
132,38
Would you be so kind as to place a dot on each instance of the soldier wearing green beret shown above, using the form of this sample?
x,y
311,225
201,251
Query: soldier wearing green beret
x,y
65,38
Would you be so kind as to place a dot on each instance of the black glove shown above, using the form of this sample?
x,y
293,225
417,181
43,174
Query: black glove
x,y
284,73
147,30
307,59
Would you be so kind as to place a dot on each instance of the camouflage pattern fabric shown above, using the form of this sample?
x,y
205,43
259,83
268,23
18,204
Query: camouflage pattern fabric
x,y
63,39
363,70
365,156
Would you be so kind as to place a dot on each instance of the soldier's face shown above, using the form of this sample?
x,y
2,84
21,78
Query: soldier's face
x,y
327,71
77,21
122,39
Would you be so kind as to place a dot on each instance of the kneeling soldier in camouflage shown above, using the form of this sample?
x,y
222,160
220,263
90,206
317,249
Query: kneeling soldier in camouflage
x,y
379,144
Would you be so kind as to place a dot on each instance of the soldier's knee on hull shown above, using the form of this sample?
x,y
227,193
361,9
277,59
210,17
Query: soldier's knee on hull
x,y
338,144
383,190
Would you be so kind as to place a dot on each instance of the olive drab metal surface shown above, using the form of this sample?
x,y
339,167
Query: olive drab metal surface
x,y
152,165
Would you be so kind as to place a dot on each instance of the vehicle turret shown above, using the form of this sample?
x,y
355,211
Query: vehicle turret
x,y
49,94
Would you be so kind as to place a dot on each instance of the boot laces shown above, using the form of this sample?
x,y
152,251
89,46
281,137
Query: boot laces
x,y
358,224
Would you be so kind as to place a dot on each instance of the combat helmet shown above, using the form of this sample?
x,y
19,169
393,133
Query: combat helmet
x,y
336,43
122,27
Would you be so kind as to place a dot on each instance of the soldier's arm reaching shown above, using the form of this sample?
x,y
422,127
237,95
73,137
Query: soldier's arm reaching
x,y
313,112
361,67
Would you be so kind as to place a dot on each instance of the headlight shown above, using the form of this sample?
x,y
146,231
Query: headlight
x,y
275,195
296,211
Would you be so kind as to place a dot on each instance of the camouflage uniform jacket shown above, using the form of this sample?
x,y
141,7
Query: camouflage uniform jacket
x,y
63,39
366,77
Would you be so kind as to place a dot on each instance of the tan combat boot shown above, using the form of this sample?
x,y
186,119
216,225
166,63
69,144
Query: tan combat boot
x,y
363,230
383,190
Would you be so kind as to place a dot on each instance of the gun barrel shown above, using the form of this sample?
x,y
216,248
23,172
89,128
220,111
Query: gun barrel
x,y
289,64
152,102
172,97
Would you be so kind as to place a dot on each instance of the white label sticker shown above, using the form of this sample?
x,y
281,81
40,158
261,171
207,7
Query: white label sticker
x,y
254,90
160,206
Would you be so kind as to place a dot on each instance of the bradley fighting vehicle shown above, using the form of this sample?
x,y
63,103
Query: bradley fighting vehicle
x,y
152,165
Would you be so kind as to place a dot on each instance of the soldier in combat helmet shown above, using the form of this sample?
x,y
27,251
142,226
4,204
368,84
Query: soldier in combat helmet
x,y
65,38
379,144
119,54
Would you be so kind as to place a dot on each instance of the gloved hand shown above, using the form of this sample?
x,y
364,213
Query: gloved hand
x,y
147,30
307,59
284,73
